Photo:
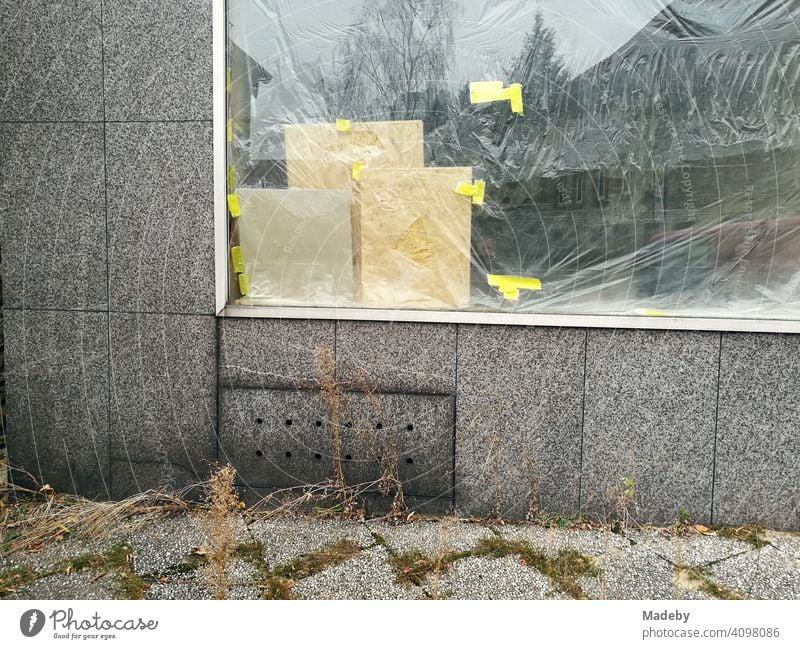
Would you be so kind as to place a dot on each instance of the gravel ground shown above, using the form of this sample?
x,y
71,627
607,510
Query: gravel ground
x,y
767,573
366,576
287,539
76,586
430,537
638,565
486,578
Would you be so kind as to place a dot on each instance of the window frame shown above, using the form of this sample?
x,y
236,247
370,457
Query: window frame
x,y
222,258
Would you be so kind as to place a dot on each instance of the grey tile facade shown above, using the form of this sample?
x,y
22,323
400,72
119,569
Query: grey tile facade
x,y
160,217
649,417
57,395
54,224
163,386
758,437
51,63
157,60
116,365
518,431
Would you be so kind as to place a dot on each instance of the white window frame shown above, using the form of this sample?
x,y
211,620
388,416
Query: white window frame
x,y
223,309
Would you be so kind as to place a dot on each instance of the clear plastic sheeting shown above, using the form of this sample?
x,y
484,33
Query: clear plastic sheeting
x,y
563,157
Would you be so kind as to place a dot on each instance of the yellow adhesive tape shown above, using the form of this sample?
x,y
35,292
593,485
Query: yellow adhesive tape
x,y
343,125
476,192
228,80
231,178
233,205
653,313
230,130
244,284
511,285
237,260
357,169
482,92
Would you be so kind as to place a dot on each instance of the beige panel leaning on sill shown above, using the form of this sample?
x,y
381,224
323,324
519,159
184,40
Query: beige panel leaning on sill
x,y
320,157
415,238
297,246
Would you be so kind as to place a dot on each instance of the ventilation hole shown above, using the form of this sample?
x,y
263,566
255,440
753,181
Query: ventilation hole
x,y
318,424
379,425
317,456
288,454
410,427
288,422
259,421
379,458
348,457
349,424
410,461
259,454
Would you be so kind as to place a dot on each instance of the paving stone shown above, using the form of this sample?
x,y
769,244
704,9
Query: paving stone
x,y
193,586
552,541
767,573
689,551
286,539
366,576
635,573
167,542
77,586
488,578
785,542
430,537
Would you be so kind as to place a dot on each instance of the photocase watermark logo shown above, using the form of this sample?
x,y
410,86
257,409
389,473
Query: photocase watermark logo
x,y
31,622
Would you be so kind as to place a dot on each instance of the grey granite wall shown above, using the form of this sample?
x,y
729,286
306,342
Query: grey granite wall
x,y
120,378
107,245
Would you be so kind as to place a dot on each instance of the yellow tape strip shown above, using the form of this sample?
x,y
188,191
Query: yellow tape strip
x,y
476,192
231,178
481,92
343,125
233,205
237,260
358,167
511,285
244,284
230,130
228,80
653,313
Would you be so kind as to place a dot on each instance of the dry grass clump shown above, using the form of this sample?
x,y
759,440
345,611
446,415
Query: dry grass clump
x,y
42,516
219,522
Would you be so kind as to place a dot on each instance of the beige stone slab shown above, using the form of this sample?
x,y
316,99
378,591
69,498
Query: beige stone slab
x,y
320,157
414,234
297,246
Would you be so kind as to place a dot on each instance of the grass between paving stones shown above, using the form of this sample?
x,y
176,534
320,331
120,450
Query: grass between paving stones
x,y
12,579
562,570
752,534
116,560
412,568
281,578
700,576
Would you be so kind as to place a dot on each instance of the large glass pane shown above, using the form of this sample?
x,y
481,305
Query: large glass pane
x,y
567,156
